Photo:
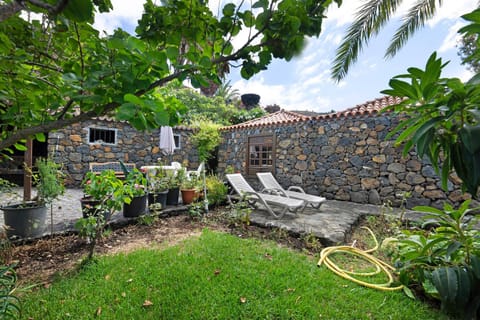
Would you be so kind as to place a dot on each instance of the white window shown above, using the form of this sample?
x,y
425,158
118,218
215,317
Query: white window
x,y
102,135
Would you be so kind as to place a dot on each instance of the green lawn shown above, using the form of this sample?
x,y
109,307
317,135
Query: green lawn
x,y
215,276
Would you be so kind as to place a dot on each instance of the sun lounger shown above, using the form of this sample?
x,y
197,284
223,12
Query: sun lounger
x,y
269,201
269,182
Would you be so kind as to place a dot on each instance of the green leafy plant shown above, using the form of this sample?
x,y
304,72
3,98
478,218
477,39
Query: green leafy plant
x,y
443,119
10,307
196,210
445,257
134,185
147,219
205,138
108,189
49,180
216,190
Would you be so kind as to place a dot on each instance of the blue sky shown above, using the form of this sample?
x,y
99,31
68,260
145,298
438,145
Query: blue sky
x,y
304,82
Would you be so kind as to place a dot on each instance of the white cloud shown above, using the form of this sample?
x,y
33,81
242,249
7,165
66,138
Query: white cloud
x,y
451,10
123,12
452,38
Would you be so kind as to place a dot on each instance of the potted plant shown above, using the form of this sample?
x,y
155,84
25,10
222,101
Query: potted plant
x,y
157,187
103,194
189,189
27,219
175,180
135,196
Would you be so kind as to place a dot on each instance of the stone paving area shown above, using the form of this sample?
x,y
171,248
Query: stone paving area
x,y
332,223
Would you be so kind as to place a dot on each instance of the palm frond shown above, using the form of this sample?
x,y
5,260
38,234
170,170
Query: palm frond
x,y
416,17
369,19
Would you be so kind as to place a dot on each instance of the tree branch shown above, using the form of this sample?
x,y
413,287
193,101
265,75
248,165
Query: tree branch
x,y
10,9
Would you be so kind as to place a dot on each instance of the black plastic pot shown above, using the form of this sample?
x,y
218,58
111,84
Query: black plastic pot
x,y
172,196
25,220
89,208
136,208
158,197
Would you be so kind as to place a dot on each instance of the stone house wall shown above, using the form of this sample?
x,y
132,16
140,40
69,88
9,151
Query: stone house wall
x,y
70,146
344,158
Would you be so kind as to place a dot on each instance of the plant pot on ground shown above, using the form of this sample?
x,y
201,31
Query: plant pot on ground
x,y
27,219
175,180
158,183
135,196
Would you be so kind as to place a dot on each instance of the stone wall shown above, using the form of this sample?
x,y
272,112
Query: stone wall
x,y
343,159
70,146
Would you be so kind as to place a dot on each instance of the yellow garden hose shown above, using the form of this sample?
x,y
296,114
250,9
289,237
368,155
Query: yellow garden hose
x,y
380,266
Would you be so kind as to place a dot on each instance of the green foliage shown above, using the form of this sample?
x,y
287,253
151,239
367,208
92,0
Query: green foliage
x,y
370,18
216,108
147,219
205,138
10,307
58,70
216,190
443,257
105,187
49,179
469,50
443,116
134,185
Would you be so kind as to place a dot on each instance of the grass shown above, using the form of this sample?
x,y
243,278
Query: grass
x,y
215,276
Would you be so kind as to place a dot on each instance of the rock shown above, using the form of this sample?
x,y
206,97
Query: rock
x,y
370,183
359,197
413,202
434,194
284,143
75,138
396,167
356,161
342,195
301,165
414,178
414,165
374,197
379,158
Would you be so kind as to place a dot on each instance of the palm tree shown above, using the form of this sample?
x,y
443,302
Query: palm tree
x,y
226,91
370,19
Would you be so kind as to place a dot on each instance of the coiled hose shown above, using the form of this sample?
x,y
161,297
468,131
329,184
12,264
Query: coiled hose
x,y
380,266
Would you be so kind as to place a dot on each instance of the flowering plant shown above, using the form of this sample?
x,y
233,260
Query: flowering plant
x,y
134,184
105,187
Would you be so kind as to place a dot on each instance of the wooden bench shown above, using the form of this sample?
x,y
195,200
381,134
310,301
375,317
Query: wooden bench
x,y
98,167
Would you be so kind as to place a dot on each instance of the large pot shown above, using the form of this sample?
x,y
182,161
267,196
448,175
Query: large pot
x,y
90,208
158,197
25,220
172,196
189,195
136,208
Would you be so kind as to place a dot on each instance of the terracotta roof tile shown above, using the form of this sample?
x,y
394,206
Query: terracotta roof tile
x,y
365,109
276,118
284,117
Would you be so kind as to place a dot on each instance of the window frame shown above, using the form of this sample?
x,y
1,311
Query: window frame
x,y
266,140
177,136
115,136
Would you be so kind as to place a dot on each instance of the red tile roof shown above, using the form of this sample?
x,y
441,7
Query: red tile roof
x,y
285,117
368,108
276,118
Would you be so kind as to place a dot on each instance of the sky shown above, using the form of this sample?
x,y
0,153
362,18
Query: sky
x,y
304,83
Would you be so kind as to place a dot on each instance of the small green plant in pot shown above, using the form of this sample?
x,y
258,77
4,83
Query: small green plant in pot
x,y
135,196
175,180
104,192
27,219
190,189
158,184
